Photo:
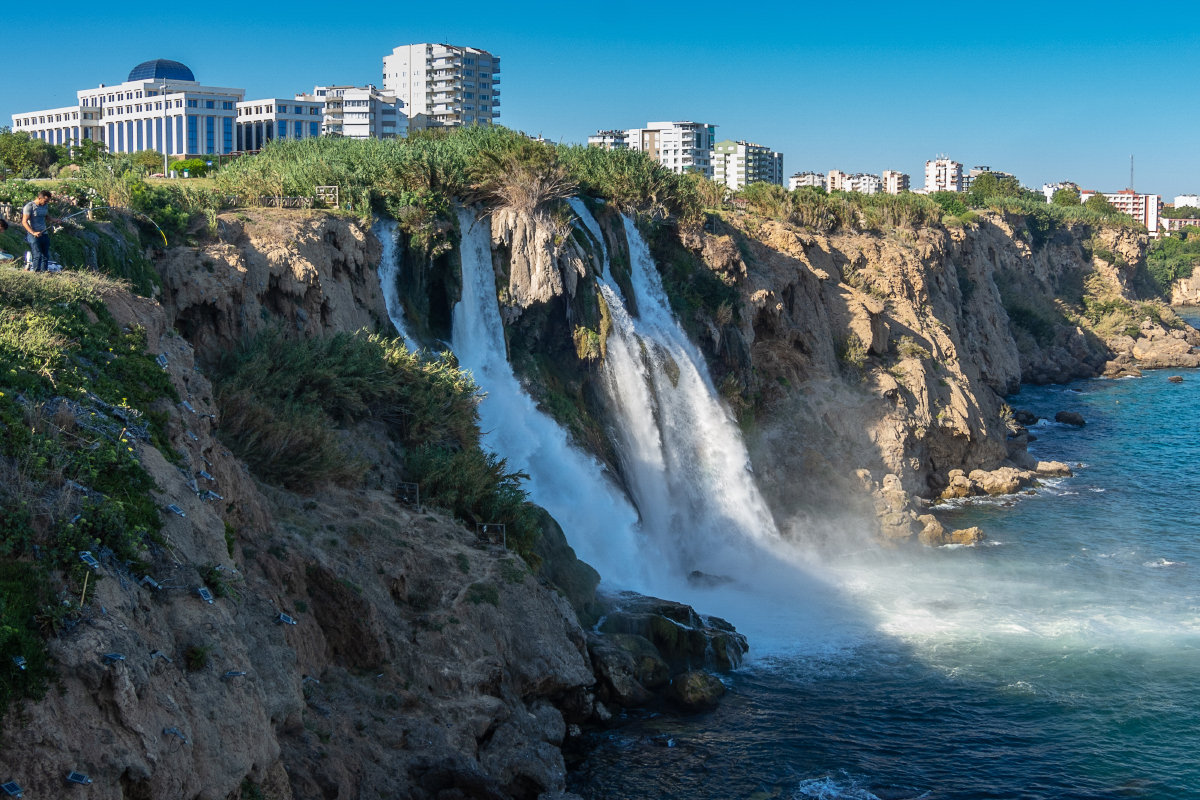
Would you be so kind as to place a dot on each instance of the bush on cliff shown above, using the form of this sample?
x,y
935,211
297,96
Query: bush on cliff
x,y
283,402
1173,257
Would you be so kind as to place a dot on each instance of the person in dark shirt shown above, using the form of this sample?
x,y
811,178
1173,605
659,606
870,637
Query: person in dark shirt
x,y
33,220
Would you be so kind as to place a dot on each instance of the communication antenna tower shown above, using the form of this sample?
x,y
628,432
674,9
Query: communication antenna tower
x,y
1131,172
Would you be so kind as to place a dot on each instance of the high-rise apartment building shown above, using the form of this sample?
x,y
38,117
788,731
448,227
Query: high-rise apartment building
x,y
160,106
738,164
894,182
806,179
1144,208
359,112
943,175
443,84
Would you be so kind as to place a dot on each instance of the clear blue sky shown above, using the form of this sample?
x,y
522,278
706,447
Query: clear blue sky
x,y
1048,91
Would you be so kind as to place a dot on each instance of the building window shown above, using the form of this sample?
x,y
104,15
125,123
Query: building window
x,y
193,103
314,129
210,130
227,105
193,135
227,134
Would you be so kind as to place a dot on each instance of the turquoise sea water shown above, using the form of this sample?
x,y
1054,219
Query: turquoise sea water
x,y
1061,660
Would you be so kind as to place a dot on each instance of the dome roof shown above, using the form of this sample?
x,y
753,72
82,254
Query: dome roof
x,y
160,69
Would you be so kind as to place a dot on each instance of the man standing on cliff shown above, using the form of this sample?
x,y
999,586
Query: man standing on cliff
x,y
33,220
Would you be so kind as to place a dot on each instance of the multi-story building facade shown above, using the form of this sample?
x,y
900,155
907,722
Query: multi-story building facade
x,y
865,183
609,140
160,106
836,181
1144,208
678,146
1175,224
943,175
1190,200
444,85
739,164
358,112
861,182
806,179
894,182
262,121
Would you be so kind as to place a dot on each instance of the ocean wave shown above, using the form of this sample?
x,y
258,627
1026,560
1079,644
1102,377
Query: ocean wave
x,y
844,787
1159,563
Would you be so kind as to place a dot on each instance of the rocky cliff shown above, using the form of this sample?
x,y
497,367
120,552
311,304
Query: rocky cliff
x,y
869,369
347,643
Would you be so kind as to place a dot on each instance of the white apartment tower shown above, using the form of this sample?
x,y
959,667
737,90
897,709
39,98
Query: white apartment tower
x,y
359,112
943,175
679,146
444,85
894,182
738,164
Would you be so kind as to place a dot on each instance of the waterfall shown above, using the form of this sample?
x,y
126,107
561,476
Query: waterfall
x,y
681,452
387,232
597,518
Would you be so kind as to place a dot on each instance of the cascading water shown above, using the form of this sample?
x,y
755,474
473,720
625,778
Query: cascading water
x,y
686,463
386,231
573,487
688,472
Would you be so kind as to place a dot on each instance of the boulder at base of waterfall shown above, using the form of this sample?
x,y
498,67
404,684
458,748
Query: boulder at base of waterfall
x,y
1175,379
696,690
684,639
1070,418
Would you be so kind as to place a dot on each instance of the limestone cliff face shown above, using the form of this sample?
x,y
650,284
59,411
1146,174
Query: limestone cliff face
x,y
310,271
880,360
422,661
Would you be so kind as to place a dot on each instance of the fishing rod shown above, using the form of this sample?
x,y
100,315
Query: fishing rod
x,y
120,208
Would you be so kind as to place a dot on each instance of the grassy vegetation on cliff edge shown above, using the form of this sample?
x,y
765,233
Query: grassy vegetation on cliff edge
x,y
283,402
77,393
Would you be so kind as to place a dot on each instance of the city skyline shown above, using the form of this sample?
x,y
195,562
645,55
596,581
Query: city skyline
x,y
1048,94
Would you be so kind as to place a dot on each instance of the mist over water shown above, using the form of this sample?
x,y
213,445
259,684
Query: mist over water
x,y
1059,661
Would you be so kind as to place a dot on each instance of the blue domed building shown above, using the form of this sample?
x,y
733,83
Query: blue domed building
x,y
160,106
160,69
